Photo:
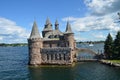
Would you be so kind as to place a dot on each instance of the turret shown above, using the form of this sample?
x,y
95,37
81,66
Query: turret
x,y
47,28
69,36
34,44
70,41
56,25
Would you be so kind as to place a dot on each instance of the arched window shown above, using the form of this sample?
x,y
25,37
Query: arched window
x,y
47,57
60,57
56,36
64,56
56,57
51,56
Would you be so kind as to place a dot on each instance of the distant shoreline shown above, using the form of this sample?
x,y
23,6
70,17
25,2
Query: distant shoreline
x,y
13,44
89,42
26,44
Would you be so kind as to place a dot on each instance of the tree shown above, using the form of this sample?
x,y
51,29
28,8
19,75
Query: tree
x,y
108,47
116,52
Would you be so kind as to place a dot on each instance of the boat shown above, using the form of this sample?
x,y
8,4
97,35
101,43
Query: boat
x,y
91,44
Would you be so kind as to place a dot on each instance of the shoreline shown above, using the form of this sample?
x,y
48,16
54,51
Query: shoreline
x,y
110,63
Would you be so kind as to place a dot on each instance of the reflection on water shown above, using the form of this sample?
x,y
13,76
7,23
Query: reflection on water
x,y
13,66
81,71
51,73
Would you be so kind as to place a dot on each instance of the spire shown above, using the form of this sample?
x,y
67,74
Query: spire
x,y
34,32
48,25
48,21
68,28
56,25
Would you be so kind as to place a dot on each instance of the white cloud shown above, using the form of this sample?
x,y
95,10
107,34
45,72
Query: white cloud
x,y
79,37
89,23
102,15
102,7
70,18
10,32
1,38
99,35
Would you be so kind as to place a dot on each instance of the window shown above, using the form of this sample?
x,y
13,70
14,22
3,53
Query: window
x,y
51,56
64,57
60,57
56,57
47,57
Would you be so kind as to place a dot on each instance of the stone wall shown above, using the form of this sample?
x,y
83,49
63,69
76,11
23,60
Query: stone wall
x,y
34,51
55,43
56,55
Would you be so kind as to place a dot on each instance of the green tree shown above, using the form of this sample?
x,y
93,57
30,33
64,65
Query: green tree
x,y
108,47
116,52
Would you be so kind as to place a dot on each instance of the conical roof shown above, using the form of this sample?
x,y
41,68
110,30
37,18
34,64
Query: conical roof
x,y
34,32
48,21
56,25
68,28
48,25
56,22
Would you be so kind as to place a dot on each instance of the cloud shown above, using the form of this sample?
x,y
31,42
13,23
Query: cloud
x,y
89,23
99,35
102,7
10,32
102,16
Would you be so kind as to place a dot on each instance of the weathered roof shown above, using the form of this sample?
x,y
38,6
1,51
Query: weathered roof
x,y
48,21
68,28
56,25
48,25
34,32
54,33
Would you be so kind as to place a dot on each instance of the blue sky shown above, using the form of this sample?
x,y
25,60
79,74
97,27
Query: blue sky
x,y
91,20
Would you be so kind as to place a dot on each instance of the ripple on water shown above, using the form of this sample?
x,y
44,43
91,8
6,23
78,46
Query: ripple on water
x,y
13,66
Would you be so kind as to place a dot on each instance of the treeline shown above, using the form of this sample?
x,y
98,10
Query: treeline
x,y
112,47
14,44
93,42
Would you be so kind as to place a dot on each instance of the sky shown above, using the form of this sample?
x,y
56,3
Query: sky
x,y
91,20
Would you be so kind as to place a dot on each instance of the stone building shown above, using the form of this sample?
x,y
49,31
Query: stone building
x,y
54,47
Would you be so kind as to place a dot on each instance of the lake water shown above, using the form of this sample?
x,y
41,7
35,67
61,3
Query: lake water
x,y
13,66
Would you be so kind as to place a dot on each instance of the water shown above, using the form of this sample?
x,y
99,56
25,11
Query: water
x,y
13,66
98,48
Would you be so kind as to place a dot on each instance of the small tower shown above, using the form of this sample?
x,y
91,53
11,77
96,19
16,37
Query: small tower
x,y
69,36
56,25
34,44
70,41
47,28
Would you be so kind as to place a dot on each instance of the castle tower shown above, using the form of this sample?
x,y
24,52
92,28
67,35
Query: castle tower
x,y
70,41
47,28
56,25
35,44
69,36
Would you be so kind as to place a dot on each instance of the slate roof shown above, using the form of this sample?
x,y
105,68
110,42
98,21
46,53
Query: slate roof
x,y
56,25
54,33
34,32
48,25
68,28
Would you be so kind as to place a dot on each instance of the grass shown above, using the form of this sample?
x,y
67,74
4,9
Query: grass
x,y
114,61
